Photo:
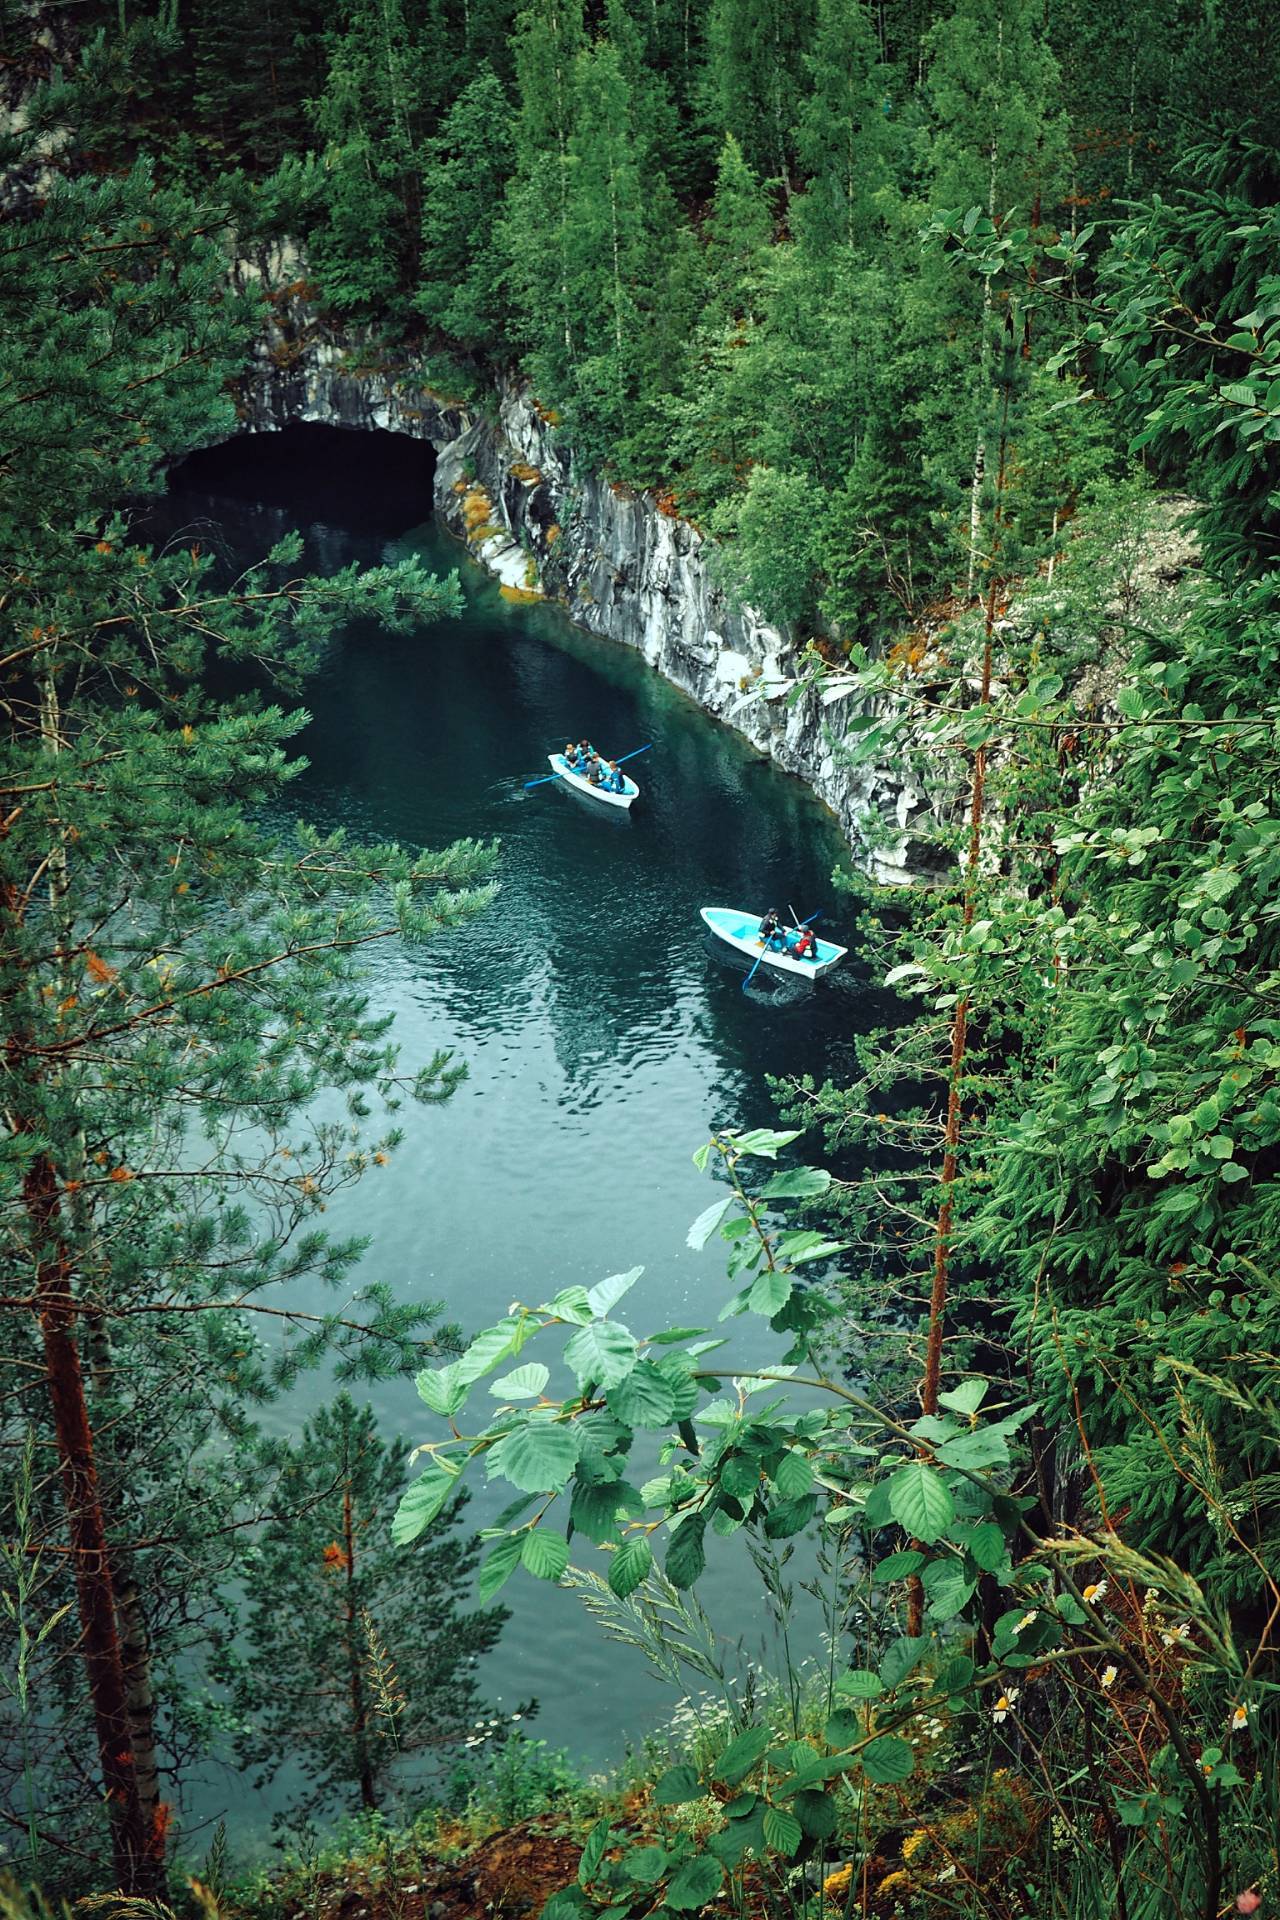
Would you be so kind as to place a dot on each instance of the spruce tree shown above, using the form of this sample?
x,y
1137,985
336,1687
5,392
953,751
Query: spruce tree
x,y
360,1654
466,169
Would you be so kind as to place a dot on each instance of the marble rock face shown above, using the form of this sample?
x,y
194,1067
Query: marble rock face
x,y
621,566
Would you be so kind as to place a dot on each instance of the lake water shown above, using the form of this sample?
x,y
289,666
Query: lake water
x,y
603,1035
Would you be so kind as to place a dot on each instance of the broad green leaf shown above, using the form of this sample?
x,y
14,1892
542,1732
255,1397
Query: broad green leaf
x,y
545,1554
594,1509
782,1831
572,1304
522,1383
965,1398
602,1352
769,1293
629,1566
498,1566
987,1545
698,1881
605,1295
644,1398
793,1476
816,1813
950,1590
860,1684
442,1390
790,1516
741,1755
686,1554
973,1451
645,1865
898,1566
678,1785
493,1345
899,1658
536,1456
707,1222
805,1244
763,1142
422,1502
888,1760
920,1502
798,1183
593,1852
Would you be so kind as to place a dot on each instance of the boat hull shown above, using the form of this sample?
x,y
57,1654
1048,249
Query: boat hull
x,y
740,930
579,781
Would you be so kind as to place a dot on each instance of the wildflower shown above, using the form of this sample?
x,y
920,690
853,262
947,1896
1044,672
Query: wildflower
x,y
913,1843
1027,1620
1249,1901
1108,1678
837,1883
1095,1591
948,1873
1004,1705
515,1717
1176,1636
1240,1718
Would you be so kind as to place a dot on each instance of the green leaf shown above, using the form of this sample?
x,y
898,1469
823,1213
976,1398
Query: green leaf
x,y
782,1831
920,1502
605,1295
491,1346
769,1293
973,1451
686,1555
603,1352
798,1183
805,1244
422,1502
950,1590
498,1566
572,1304
644,1398
645,1865
593,1852
888,1760
899,1658
793,1476
789,1516
543,1553
677,1786
987,1545
816,1813
741,1755
898,1566
698,1881
860,1684
764,1142
594,1509
442,1390
537,1457
629,1566
707,1222
965,1398
523,1383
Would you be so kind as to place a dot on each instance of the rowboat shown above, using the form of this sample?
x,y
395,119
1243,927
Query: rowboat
x,y
629,792
742,930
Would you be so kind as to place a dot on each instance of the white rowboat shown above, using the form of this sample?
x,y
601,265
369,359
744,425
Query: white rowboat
x,y
742,930
629,793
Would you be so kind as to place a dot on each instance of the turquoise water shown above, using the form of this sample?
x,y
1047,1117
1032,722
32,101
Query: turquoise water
x,y
602,1033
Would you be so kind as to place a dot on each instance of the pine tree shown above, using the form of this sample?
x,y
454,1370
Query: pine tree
x,y
170,970
359,1653
467,167
755,78
845,132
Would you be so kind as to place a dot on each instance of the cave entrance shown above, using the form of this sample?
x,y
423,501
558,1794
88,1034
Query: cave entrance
x,y
366,481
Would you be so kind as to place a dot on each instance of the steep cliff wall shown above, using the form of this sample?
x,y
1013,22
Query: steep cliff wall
x,y
505,483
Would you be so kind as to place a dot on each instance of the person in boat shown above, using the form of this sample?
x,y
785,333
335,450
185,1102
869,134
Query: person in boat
x,y
770,931
594,775
573,758
805,945
612,779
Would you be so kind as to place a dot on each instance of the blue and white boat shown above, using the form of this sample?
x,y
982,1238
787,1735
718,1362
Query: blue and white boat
x,y
630,791
742,930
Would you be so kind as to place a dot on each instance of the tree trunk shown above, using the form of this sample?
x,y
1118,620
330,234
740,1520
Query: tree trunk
x,y
359,1705
135,1856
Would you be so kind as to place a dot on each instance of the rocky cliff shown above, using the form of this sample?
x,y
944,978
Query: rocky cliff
x,y
620,565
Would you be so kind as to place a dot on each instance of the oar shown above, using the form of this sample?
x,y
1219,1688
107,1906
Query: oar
x,y
555,776
801,923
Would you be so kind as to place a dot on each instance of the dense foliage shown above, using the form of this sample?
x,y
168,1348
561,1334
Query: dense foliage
x,y
910,307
